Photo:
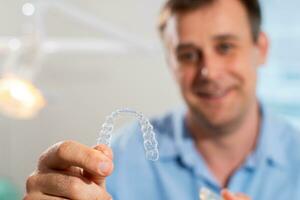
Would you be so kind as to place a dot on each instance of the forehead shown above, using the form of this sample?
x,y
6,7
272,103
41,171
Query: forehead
x,y
223,17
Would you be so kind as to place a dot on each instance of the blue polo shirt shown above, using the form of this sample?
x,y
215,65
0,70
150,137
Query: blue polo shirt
x,y
271,172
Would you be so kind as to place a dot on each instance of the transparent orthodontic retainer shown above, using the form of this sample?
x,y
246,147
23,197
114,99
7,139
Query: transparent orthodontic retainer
x,y
150,142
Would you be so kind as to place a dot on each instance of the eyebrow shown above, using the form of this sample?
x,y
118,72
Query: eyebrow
x,y
225,37
184,46
221,37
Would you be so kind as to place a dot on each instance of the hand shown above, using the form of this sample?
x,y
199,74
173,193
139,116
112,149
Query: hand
x,y
227,195
69,170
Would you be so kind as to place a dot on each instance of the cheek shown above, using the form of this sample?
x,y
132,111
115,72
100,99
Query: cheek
x,y
243,67
244,72
186,78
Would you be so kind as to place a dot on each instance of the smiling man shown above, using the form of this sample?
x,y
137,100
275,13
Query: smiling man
x,y
222,138
214,53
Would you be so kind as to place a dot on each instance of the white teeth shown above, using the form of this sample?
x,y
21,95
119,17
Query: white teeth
x,y
215,94
218,94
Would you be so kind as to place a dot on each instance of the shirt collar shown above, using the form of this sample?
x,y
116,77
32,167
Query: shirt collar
x,y
174,141
170,129
269,145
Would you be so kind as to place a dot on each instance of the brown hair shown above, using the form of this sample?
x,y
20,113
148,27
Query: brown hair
x,y
176,6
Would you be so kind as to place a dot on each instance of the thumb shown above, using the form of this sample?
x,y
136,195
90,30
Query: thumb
x,y
227,195
106,166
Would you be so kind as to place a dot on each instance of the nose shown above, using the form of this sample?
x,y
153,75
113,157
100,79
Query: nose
x,y
210,67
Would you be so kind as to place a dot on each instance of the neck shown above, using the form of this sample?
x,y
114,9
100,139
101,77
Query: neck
x,y
224,153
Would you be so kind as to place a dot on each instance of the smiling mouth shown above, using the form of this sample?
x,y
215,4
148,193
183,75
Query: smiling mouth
x,y
213,95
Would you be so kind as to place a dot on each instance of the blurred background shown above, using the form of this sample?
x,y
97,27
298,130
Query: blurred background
x,y
66,64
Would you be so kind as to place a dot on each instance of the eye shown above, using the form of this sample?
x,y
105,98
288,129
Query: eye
x,y
225,48
188,57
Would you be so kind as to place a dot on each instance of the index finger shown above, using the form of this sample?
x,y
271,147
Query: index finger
x,y
66,154
227,195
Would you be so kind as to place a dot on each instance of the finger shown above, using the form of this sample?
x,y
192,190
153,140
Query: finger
x,y
98,179
40,196
66,186
227,195
69,153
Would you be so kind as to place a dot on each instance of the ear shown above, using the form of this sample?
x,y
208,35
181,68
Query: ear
x,y
171,61
262,48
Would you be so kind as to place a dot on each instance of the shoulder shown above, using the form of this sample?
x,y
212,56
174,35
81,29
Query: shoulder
x,y
290,135
288,139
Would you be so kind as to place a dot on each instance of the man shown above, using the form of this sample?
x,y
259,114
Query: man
x,y
223,138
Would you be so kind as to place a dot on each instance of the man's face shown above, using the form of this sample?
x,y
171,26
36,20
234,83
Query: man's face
x,y
214,59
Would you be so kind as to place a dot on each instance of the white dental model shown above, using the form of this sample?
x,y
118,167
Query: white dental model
x,y
206,194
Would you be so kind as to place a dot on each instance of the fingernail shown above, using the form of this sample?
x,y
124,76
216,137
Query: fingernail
x,y
104,166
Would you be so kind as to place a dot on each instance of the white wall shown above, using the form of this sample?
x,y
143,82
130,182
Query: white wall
x,y
82,88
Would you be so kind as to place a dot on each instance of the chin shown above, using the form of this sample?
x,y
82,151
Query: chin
x,y
215,116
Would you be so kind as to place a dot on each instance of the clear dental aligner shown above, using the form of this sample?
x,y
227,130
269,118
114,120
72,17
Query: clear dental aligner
x,y
150,143
206,194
